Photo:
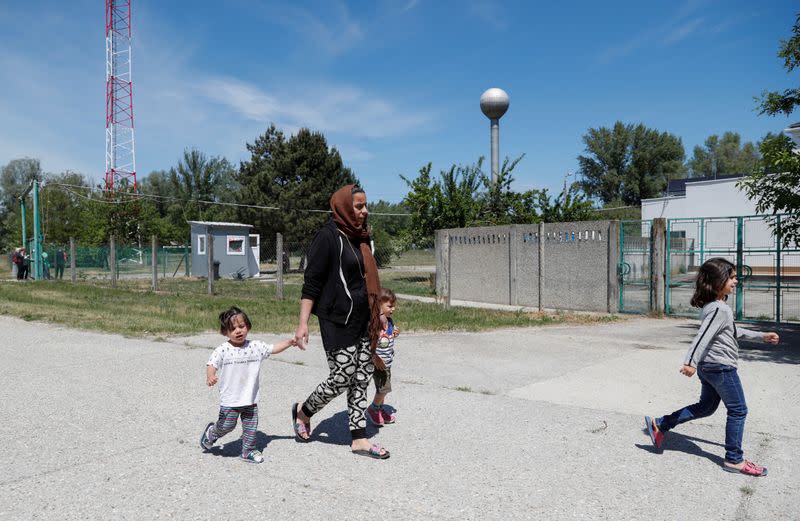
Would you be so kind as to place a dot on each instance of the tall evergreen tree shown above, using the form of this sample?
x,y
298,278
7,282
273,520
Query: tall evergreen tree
x,y
295,178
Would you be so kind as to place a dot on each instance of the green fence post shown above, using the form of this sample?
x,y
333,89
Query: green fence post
x,y
777,268
24,222
668,274
154,261
619,266
37,233
702,241
739,262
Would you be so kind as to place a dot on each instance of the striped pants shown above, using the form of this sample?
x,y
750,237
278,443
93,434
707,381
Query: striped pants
x,y
227,421
351,370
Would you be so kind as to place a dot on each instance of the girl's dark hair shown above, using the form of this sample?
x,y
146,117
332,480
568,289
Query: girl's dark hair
x,y
357,190
227,316
387,295
711,278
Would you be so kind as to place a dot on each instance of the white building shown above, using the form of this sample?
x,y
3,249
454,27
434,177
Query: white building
x,y
700,197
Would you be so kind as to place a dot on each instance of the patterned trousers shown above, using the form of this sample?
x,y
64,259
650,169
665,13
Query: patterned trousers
x,y
227,422
351,370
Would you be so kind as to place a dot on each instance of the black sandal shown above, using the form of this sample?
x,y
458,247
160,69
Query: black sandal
x,y
300,428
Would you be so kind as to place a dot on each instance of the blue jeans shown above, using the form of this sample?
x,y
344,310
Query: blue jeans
x,y
720,382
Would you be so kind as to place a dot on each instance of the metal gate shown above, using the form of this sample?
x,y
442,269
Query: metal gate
x,y
635,289
768,272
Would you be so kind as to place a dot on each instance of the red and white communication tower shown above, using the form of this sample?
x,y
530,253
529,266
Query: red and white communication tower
x,y
120,158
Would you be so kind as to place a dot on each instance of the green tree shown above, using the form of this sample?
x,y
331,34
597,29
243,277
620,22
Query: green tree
x,y
294,179
62,206
123,213
196,189
773,102
773,185
630,162
723,156
465,196
15,177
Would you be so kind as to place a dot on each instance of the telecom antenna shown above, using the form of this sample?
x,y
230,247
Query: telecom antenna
x,y
120,158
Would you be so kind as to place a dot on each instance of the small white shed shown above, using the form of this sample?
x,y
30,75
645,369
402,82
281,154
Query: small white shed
x,y
235,248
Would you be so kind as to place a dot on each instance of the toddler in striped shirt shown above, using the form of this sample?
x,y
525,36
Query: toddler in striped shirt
x,y
379,413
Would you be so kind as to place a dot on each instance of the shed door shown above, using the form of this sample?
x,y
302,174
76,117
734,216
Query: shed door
x,y
255,246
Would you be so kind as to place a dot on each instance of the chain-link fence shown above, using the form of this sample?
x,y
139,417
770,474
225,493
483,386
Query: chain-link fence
x,y
94,262
403,270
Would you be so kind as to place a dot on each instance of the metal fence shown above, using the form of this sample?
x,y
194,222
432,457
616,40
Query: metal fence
x,y
635,256
768,272
94,262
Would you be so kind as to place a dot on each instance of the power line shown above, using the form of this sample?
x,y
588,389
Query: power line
x,y
132,196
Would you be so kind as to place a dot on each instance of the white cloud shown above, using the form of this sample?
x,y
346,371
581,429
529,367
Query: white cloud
x,y
333,31
492,13
678,33
677,28
339,109
410,5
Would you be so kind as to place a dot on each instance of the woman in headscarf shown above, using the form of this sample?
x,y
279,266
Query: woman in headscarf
x,y
342,288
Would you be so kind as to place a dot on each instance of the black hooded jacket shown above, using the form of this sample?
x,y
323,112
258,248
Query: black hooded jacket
x,y
334,277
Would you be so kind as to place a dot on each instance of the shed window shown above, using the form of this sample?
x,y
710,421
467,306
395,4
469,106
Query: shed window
x,y
236,244
201,244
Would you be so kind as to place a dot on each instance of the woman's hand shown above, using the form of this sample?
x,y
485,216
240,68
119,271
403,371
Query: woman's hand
x,y
378,363
301,335
771,338
688,371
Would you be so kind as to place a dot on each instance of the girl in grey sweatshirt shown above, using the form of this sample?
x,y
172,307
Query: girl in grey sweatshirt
x,y
714,355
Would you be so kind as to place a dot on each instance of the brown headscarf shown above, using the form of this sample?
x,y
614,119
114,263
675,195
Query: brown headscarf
x,y
345,218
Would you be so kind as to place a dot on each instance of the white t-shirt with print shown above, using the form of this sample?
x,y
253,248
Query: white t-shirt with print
x,y
238,371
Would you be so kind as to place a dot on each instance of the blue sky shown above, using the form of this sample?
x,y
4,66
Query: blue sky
x,y
392,84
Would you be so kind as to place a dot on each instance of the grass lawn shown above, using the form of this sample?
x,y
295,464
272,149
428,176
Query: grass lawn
x,y
181,306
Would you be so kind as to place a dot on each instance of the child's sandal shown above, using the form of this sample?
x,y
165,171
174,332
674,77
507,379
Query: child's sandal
x,y
749,469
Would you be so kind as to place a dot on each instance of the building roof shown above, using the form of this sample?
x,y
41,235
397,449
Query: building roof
x,y
220,224
678,186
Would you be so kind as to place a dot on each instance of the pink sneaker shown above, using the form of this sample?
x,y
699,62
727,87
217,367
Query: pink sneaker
x,y
386,416
375,416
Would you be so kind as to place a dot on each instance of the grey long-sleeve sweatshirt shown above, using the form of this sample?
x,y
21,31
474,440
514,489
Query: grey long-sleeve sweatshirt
x,y
716,342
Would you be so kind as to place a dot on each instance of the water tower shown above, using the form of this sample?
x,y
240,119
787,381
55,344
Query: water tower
x,y
494,103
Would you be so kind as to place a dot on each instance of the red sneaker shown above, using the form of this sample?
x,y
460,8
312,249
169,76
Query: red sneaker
x,y
656,436
387,417
375,416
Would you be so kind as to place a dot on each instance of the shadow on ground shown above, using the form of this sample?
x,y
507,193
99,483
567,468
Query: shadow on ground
x,y
234,447
336,430
675,441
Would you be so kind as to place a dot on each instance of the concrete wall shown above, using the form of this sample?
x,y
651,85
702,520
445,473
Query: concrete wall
x,y
556,266
576,266
478,264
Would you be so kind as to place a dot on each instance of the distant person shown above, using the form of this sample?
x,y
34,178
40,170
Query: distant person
x,y
26,263
236,365
341,286
17,259
378,412
714,354
285,260
61,259
45,266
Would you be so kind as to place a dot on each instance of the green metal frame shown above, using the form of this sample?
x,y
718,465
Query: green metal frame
x,y
623,267
37,228
740,250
